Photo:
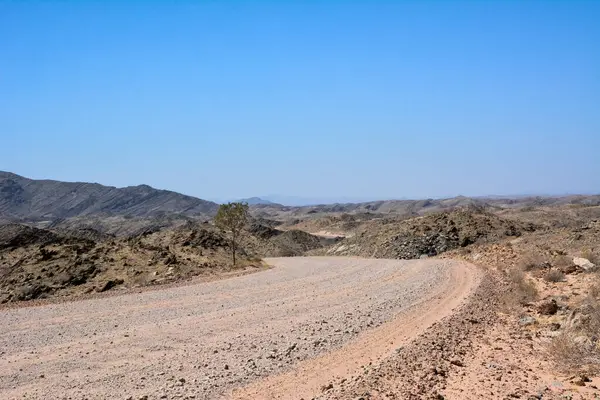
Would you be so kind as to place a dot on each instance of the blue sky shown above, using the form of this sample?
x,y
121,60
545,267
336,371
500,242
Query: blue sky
x,y
328,100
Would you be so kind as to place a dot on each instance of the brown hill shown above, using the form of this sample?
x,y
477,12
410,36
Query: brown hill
x,y
413,208
429,235
39,263
24,199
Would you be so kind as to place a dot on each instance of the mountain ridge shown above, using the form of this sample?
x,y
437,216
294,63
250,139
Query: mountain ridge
x,y
31,199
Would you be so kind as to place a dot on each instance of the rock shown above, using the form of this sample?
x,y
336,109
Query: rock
x,y
110,284
325,388
584,264
569,269
526,321
548,307
578,382
457,362
289,350
554,326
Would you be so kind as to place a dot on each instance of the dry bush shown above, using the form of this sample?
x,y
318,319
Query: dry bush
x,y
562,261
523,290
532,261
594,291
254,259
577,348
554,276
574,353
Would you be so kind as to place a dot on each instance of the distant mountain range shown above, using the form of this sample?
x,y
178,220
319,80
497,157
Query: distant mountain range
x,y
29,199
252,201
23,199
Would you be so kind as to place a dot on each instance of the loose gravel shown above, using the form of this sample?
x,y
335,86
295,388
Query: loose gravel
x,y
204,340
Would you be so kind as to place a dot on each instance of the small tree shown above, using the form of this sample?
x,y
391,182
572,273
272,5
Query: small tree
x,y
232,217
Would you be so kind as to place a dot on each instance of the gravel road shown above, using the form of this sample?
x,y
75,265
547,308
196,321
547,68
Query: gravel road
x,y
274,334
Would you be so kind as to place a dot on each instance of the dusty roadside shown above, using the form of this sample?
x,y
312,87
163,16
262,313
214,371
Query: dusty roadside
x,y
311,377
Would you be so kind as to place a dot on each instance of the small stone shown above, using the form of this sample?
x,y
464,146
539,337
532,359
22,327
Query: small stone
x,y
526,321
457,362
325,388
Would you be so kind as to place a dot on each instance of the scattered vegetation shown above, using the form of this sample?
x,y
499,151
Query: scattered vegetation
x,y
577,349
554,275
524,290
231,218
562,261
532,261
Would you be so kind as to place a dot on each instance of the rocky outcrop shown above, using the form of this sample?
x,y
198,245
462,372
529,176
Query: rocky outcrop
x,y
428,236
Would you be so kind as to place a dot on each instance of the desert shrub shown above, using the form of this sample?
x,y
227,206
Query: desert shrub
x,y
562,261
532,261
523,290
554,275
594,291
254,258
574,353
577,349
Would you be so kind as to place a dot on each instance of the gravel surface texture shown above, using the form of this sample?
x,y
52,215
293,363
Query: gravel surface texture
x,y
204,340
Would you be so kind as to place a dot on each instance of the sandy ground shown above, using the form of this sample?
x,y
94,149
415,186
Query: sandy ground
x,y
279,333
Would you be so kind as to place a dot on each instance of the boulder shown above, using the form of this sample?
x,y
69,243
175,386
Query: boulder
x,y
569,269
584,264
526,321
548,307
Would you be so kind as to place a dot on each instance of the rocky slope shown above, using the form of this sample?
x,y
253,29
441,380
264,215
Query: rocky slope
x,y
30,200
427,236
39,263
412,208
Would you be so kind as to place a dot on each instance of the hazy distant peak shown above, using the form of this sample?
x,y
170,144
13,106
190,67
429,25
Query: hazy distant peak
x,y
255,201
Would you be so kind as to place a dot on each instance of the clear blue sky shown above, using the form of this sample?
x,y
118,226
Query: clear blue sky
x,y
324,99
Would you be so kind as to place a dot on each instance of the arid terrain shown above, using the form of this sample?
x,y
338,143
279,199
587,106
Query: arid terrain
x,y
130,293
204,340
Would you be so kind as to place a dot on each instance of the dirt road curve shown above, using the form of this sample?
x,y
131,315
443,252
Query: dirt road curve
x,y
280,333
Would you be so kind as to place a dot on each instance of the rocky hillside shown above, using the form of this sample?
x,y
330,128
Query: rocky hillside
x,y
427,236
39,263
413,208
270,242
25,199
